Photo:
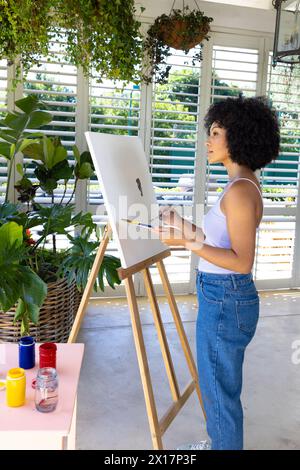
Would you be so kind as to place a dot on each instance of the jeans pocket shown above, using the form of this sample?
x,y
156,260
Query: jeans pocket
x,y
247,312
210,293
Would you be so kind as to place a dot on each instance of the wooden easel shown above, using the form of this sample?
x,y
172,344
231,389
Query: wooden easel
x,y
157,427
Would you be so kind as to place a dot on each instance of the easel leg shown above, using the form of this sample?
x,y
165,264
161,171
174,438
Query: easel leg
x,y
89,287
143,364
161,336
180,329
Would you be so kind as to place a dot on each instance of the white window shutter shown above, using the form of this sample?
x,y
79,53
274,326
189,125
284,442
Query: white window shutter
x,y
173,149
3,110
234,71
114,109
55,83
280,179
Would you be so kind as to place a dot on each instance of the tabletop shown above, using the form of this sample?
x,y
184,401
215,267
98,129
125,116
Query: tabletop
x,y
27,418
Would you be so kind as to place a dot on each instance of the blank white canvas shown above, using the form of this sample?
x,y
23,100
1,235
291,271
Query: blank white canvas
x,y
122,170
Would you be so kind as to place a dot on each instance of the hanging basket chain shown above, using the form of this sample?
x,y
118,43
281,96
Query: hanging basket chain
x,y
172,7
197,4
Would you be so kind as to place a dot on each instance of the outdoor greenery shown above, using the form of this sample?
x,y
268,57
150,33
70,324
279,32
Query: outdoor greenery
x,y
28,231
180,94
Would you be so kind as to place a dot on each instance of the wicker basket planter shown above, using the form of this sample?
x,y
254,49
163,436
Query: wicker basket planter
x,y
176,34
56,316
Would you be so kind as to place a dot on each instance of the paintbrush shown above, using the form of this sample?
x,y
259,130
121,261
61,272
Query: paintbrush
x,y
135,222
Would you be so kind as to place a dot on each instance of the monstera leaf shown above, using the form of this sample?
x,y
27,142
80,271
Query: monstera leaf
x,y
18,283
79,260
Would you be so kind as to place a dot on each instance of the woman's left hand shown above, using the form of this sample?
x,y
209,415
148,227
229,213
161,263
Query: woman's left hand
x,y
170,236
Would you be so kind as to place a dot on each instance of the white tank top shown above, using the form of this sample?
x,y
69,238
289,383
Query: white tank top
x,y
215,229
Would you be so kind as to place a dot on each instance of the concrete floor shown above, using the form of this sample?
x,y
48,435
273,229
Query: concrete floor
x,y
111,407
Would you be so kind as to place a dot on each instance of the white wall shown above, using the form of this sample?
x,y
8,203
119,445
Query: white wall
x,y
225,16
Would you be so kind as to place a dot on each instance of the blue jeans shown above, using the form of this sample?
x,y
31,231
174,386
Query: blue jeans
x,y
227,318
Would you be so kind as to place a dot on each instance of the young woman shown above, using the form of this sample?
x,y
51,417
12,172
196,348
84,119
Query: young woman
x,y
243,135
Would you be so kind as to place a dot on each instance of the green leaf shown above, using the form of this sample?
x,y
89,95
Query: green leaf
x,y
38,119
41,173
76,153
17,122
33,311
5,150
100,277
28,104
26,143
9,135
20,310
86,157
32,296
8,209
20,169
33,135
85,171
11,272
62,170
10,290
48,152
60,154
53,152
49,185
56,219
12,151
24,183
34,289
35,151
10,234
85,167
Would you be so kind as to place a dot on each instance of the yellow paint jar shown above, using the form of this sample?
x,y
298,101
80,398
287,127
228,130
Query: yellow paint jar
x,y
15,387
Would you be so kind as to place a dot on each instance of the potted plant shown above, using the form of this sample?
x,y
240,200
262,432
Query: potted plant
x,y
102,37
181,29
20,287
36,226
25,31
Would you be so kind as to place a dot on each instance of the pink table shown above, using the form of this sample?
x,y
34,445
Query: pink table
x,y
25,427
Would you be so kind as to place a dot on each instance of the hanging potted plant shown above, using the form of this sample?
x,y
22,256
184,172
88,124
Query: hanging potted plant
x,y
101,35
181,30
25,32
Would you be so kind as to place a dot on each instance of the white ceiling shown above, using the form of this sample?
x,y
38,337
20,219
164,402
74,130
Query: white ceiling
x,y
263,4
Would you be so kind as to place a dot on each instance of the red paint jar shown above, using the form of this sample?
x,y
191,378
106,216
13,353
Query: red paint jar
x,y
48,355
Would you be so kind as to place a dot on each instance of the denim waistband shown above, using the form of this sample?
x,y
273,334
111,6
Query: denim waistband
x,y
228,280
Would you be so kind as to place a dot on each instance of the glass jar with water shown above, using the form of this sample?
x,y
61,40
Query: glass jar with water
x,y
46,390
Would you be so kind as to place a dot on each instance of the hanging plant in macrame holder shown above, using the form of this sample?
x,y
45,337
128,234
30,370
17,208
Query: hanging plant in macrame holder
x,y
182,30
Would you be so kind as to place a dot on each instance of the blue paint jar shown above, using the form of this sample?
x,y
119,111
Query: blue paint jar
x,y
27,352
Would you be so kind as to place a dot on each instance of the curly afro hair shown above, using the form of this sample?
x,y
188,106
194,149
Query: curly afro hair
x,y
252,129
